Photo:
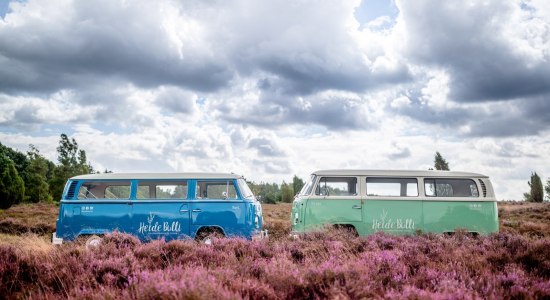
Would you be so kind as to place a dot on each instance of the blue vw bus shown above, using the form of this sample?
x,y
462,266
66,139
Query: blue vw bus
x,y
154,206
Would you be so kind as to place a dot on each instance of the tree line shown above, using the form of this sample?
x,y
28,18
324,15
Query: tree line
x,y
273,193
30,177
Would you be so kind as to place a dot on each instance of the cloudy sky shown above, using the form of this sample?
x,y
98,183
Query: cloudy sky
x,y
269,89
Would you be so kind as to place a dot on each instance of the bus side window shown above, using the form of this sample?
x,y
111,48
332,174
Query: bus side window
x,y
392,187
165,189
429,187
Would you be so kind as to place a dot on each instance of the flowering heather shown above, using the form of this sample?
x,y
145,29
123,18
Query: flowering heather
x,y
318,265
512,264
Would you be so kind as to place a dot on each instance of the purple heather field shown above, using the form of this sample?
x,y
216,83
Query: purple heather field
x,y
514,264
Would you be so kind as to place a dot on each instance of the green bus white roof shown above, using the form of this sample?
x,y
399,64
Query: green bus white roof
x,y
394,173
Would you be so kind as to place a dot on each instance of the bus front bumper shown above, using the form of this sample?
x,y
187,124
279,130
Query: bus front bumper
x,y
56,240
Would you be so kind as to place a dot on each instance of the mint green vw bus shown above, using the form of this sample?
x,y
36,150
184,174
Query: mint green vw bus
x,y
396,202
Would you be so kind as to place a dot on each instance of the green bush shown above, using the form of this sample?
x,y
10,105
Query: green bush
x,y
12,187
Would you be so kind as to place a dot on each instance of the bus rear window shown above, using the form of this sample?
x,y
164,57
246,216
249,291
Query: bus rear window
x,y
223,189
444,187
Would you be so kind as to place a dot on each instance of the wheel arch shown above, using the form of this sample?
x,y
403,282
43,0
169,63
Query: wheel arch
x,y
209,229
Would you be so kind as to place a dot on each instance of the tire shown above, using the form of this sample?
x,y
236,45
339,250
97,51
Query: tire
x,y
93,242
347,229
207,236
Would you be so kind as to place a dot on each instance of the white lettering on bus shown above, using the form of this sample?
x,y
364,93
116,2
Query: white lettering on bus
x,y
398,224
156,227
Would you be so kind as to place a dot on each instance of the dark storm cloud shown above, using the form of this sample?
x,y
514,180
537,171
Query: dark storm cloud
x,y
311,61
272,166
519,117
266,147
93,49
489,53
305,77
510,150
501,126
514,118
175,100
89,41
23,118
399,152
334,112
26,115
419,110
84,43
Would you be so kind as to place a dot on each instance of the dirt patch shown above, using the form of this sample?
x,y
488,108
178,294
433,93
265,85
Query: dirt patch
x,y
277,219
529,219
36,218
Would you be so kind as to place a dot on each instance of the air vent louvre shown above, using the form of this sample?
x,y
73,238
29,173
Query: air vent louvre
x,y
72,190
483,187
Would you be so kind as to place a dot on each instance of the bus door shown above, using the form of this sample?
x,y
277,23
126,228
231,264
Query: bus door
x,y
392,205
161,210
217,204
102,206
336,201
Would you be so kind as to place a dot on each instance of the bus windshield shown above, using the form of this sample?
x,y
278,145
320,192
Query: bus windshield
x,y
306,190
245,190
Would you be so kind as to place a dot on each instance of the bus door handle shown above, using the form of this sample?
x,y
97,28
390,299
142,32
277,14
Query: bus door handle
x,y
197,210
184,210
356,207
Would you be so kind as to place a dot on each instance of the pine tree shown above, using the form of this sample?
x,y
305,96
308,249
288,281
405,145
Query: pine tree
x,y
440,163
536,193
547,189
36,185
287,193
12,187
19,159
72,162
297,184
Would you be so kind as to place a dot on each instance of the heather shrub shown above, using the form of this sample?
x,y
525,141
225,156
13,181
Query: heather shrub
x,y
328,264
331,264
536,259
177,283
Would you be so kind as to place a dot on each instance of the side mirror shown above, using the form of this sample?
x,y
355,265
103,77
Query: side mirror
x,y
224,194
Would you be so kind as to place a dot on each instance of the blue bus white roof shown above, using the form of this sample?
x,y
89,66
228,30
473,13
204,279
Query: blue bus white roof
x,y
129,176
403,173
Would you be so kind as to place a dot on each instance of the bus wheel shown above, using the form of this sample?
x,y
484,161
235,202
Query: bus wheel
x,y
347,229
93,242
207,235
